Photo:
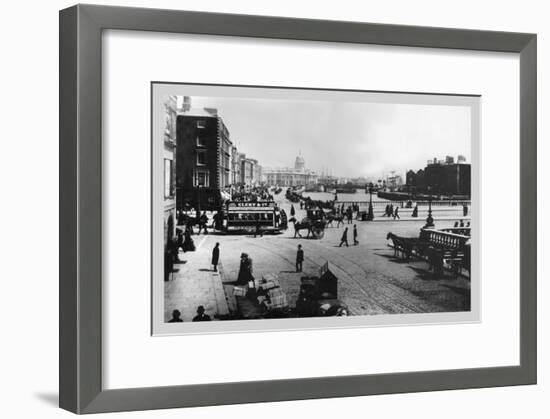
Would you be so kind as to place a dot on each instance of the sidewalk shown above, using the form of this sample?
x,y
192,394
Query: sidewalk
x,y
195,284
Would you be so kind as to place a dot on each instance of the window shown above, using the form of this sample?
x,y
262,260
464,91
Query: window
x,y
168,178
200,141
202,178
201,123
201,158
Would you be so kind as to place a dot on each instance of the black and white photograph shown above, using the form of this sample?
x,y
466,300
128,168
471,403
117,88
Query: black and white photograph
x,y
301,207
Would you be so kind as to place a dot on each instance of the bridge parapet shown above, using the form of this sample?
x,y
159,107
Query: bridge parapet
x,y
445,238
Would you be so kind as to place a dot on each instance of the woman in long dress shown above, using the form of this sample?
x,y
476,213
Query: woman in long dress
x,y
245,270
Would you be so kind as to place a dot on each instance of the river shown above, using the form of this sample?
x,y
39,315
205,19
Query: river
x,y
359,196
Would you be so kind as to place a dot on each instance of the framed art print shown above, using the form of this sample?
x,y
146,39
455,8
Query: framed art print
x,y
244,192
353,227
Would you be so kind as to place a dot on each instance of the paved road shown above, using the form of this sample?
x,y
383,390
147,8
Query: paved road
x,y
371,280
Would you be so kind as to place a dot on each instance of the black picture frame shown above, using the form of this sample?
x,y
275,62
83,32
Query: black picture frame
x,y
80,374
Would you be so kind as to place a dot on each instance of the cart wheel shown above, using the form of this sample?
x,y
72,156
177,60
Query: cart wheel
x,y
318,233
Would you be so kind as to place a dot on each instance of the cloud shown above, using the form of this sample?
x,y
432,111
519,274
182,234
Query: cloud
x,y
348,138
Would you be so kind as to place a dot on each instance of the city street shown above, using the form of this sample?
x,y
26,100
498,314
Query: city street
x,y
371,280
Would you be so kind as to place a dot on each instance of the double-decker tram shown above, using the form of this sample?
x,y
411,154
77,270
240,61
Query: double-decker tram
x,y
248,216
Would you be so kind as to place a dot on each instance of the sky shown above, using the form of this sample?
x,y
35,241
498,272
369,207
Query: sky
x,y
348,139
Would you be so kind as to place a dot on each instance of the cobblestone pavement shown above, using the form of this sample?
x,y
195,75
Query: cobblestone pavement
x,y
371,279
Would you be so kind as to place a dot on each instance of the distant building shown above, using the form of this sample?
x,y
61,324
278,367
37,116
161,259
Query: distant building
x,y
290,176
257,173
235,167
415,181
443,177
169,169
247,170
204,155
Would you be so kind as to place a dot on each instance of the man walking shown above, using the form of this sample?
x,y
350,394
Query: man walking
x,y
344,238
299,258
396,213
216,256
355,242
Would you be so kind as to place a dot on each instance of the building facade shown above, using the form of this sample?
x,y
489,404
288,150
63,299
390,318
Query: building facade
x,y
169,154
290,176
247,170
204,159
256,173
235,167
443,177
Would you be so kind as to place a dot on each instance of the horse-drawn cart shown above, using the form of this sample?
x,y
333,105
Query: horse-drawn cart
x,y
315,223
439,248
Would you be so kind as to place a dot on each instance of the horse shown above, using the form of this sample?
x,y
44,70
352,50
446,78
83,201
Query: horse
x,y
401,244
338,218
300,226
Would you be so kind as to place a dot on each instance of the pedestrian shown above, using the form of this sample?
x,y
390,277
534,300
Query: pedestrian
x,y
216,221
188,244
176,317
203,221
344,238
396,213
292,211
386,211
189,226
168,263
461,223
355,242
216,256
245,270
201,317
415,211
465,210
179,242
299,258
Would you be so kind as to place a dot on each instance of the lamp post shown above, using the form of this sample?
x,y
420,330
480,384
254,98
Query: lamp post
x,y
370,214
429,220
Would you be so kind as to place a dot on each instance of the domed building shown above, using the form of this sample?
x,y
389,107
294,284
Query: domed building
x,y
298,175
299,164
